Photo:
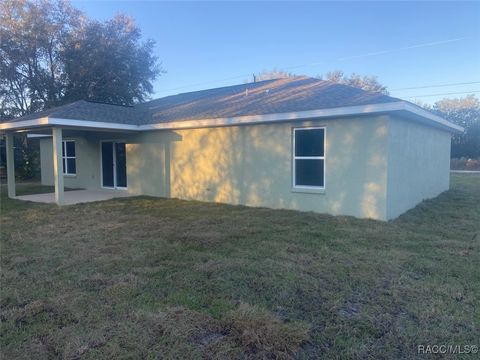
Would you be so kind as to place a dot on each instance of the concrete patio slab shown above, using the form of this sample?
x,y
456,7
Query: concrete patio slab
x,y
76,196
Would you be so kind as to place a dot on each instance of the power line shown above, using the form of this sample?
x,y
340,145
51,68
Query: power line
x,y
415,46
433,86
452,93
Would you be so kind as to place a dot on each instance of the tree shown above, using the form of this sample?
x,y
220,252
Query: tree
x,y
106,62
466,113
32,35
368,83
50,53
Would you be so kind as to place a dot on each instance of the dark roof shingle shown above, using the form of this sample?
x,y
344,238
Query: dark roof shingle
x,y
265,97
260,98
89,111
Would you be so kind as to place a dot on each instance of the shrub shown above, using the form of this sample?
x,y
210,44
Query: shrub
x,y
465,164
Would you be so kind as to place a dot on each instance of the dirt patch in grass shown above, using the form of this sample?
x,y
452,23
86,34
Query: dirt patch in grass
x,y
264,334
248,332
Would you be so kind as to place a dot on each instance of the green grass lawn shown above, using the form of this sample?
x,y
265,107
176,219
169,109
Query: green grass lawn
x,y
169,279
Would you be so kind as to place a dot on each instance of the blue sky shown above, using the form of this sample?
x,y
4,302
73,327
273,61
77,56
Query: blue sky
x,y
405,44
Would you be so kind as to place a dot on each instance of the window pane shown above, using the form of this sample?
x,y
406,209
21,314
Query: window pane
x,y
63,166
309,142
309,172
121,157
71,166
63,148
70,145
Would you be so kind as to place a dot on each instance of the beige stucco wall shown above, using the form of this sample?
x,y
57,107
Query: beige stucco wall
x,y
252,165
87,161
418,164
146,164
376,167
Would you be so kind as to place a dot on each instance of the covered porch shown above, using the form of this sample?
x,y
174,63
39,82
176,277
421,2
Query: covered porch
x,y
74,157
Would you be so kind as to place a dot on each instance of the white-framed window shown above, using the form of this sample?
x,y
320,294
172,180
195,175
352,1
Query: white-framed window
x,y
309,158
69,160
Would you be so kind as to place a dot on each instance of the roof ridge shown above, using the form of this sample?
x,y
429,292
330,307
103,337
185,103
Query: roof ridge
x,y
220,88
105,103
286,79
354,87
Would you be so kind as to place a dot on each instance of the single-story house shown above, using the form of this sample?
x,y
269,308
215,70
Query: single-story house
x,y
296,143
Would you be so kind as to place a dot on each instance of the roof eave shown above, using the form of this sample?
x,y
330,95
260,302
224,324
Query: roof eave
x,y
436,120
392,107
72,123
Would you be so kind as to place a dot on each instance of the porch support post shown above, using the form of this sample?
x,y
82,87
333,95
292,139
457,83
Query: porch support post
x,y
10,165
57,165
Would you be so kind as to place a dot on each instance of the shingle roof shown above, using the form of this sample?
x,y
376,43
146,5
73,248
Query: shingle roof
x,y
264,97
87,110
260,98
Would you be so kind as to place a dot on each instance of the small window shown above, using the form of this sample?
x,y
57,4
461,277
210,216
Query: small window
x,y
309,158
69,161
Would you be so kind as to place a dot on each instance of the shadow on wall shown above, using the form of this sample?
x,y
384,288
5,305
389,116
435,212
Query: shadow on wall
x,y
252,165
148,163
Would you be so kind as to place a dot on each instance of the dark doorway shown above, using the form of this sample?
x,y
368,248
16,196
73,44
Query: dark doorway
x,y
114,164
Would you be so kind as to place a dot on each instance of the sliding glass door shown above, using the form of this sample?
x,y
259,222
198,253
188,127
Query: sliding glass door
x,y
114,165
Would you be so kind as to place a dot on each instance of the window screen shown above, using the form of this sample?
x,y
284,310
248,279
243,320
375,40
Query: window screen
x,y
309,142
69,160
309,157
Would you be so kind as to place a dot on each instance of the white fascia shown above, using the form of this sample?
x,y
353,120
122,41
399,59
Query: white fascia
x,y
24,124
417,110
252,119
46,121
92,124
396,106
